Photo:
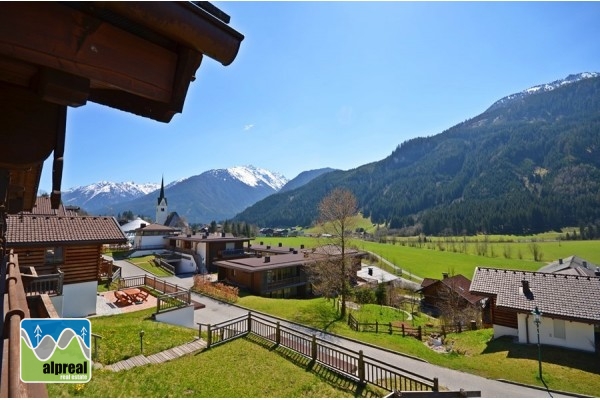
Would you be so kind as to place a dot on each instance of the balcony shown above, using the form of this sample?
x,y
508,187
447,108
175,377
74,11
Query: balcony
x,y
42,280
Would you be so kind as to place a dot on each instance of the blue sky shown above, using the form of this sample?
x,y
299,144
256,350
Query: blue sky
x,y
336,84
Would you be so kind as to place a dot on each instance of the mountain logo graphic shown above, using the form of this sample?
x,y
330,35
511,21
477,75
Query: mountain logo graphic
x,y
56,350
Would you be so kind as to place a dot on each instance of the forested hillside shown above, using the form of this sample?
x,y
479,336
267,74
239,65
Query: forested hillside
x,y
528,164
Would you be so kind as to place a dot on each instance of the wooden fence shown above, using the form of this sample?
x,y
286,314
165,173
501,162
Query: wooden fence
x,y
349,363
404,330
174,296
173,300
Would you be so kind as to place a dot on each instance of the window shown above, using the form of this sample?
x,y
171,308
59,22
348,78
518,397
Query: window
x,y
54,255
559,329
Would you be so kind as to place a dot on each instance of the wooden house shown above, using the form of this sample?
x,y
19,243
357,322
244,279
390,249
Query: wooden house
x,y
569,306
282,274
58,244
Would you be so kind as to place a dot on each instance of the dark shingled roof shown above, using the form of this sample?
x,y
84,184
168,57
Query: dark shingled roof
x,y
458,283
43,206
571,265
556,295
27,229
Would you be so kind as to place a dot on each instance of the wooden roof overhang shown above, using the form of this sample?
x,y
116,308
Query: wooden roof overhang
x,y
138,57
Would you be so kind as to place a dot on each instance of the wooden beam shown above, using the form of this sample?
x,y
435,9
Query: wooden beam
x,y
56,36
61,88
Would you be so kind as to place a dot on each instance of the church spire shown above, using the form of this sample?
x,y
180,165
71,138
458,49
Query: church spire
x,y
162,191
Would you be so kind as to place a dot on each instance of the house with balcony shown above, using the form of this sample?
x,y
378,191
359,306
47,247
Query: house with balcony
x,y
60,254
199,252
281,274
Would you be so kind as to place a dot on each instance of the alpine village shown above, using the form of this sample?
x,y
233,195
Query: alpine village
x,y
464,264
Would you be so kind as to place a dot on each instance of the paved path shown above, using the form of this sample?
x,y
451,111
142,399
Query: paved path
x,y
216,312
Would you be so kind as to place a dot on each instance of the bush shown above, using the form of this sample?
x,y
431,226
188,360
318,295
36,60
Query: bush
x,y
217,290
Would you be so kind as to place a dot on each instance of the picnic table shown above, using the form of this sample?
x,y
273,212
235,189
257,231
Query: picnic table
x,y
136,295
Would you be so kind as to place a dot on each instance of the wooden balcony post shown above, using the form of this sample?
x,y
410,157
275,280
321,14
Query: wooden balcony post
x,y
361,367
278,334
314,348
209,337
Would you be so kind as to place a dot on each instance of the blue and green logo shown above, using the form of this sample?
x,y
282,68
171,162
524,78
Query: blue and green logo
x,y
56,350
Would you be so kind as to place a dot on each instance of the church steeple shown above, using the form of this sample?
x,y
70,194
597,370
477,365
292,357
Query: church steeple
x,y
161,207
162,191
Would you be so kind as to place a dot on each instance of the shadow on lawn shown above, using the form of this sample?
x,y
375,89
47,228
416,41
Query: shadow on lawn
x,y
580,360
332,378
322,316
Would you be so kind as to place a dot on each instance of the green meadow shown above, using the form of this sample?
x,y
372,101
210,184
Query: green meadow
x,y
460,255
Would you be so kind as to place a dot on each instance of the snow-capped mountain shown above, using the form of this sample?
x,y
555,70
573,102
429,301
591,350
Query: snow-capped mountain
x,y
253,176
546,87
213,195
104,193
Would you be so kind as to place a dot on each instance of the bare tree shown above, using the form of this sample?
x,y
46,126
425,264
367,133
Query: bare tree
x,y
331,277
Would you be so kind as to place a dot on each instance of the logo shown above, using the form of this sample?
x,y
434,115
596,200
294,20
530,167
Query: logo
x,y
56,350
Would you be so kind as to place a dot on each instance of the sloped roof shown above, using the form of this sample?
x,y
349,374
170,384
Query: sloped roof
x,y
27,229
133,225
457,283
43,206
559,295
572,265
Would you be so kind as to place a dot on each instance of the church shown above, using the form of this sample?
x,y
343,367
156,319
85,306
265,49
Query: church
x,y
166,218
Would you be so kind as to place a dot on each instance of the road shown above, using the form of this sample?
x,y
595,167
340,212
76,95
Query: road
x,y
216,312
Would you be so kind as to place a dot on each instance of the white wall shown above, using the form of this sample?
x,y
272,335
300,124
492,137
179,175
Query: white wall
x,y
500,330
578,335
79,300
183,316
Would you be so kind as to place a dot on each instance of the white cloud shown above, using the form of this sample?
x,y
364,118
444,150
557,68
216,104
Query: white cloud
x,y
248,127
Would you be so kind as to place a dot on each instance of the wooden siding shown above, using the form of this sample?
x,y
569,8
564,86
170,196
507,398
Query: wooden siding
x,y
504,317
80,263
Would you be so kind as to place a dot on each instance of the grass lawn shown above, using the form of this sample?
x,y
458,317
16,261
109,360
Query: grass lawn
x,y
238,369
145,263
473,351
121,335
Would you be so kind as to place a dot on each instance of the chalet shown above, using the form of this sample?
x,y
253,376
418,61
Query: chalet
x,y
149,238
61,254
150,53
437,293
205,249
569,306
281,275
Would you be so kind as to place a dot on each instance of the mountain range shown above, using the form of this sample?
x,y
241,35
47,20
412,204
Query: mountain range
x,y
529,163
212,195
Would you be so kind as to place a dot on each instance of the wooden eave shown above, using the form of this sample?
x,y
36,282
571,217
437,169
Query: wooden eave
x,y
138,57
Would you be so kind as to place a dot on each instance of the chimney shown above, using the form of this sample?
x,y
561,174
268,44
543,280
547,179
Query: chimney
x,y
444,275
525,286
560,261
301,246
279,244
261,243
267,259
295,252
292,249
370,271
268,246
222,234
585,264
597,271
